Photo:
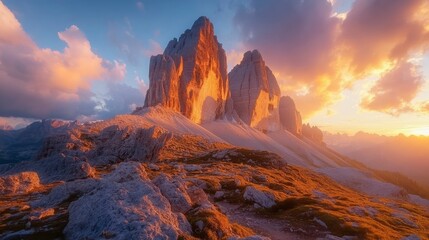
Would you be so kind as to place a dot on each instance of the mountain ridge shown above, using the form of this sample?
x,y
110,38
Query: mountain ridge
x,y
133,153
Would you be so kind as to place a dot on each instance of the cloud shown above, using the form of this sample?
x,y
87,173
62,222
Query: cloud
x,y
234,57
142,85
121,98
295,35
297,40
424,107
44,83
14,123
131,47
394,92
314,48
140,5
4,124
126,43
154,48
380,31
116,70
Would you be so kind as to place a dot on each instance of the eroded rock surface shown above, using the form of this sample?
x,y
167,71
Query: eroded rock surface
x,y
290,118
255,92
190,76
22,182
116,209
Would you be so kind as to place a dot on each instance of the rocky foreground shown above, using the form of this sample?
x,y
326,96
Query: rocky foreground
x,y
127,179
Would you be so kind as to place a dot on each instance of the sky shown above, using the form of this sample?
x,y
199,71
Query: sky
x,y
350,65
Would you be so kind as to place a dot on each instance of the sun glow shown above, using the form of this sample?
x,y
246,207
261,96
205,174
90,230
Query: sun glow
x,y
419,131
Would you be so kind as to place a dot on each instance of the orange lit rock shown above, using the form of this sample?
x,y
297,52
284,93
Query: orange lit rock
x,y
255,92
191,76
22,182
164,82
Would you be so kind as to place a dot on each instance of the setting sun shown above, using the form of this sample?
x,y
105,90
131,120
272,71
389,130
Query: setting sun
x,y
421,131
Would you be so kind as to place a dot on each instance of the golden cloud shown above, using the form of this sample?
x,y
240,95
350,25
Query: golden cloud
x,y
395,90
313,48
44,83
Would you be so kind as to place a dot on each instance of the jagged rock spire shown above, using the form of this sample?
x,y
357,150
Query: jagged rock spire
x,y
255,92
290,118
191,75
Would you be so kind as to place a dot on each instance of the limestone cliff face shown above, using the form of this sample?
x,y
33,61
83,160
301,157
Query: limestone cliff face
x,y
191,76
164,82
290,118
255,92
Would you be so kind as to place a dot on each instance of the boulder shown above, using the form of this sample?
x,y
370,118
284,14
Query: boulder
x,y
22,182
262,198
175,191
125,205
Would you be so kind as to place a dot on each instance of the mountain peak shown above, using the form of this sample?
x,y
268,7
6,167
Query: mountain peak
x,y
202,23
255,92
191,75
252,56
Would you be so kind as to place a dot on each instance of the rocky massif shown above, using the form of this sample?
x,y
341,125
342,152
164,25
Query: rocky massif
x,y
190,76
255,92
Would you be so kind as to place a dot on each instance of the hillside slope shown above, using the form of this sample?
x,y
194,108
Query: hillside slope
x,y
305,153
146,178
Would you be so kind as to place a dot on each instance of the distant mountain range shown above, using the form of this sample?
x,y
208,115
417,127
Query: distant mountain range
x,y
408,155
24,144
